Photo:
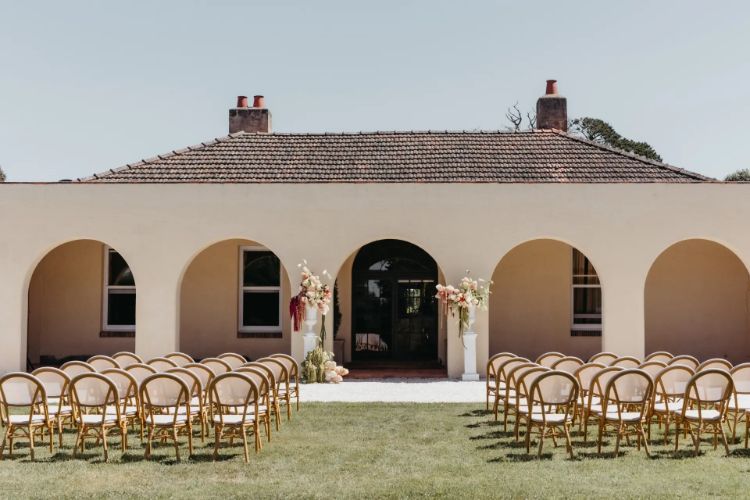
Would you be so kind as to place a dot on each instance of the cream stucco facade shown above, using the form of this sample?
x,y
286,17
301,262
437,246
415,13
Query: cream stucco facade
x,y
180,241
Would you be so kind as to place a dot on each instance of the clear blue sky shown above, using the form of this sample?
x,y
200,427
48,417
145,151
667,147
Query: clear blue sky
x,y
88,86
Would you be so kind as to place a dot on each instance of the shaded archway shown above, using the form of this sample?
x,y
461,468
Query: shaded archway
x,y
81,303
233,298
696,302
546,296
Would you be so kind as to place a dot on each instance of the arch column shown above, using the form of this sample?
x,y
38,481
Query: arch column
x,y
13,315
623,318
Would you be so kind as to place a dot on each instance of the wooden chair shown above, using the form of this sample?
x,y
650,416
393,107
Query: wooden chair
x,y
501,381
56,386
704,408
162,364
597,389
125,358
292,369
568,364
74,368
626,362
739,403
686,360
198,408
715,364
548,358
550,407
281,375
234,408
584,375
233,359
652,368
23,409
218,366
669,391
127,391
140,371
604,358
512,399
662,356
625,407
264,395
165,399
274,394
101,362
522,378
91,395
180,358
492,365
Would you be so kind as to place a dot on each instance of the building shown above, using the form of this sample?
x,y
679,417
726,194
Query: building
x,y
589,248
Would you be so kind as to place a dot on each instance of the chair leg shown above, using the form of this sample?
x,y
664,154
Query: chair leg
x,y
31,443
217,439
124,436
5,437
149,438
244,444
724,439
676,434
617,440
190,438
104,444
494,407
529,426
541,440
569,444
176,443
599,441
645,442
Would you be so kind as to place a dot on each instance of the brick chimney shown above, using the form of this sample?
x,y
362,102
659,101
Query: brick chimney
x,y
552,109
245,119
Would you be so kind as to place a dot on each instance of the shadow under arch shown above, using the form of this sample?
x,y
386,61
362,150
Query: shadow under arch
x,y
546,296
696,299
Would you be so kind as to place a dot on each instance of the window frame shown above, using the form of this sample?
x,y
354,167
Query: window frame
x,y
241,328
106,327
578,327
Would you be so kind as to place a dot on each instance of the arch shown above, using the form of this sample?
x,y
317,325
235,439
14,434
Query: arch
x,y
538,304
696,301
233,297
81,302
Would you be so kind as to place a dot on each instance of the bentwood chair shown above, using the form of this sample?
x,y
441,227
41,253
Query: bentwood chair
x,y
233,359
548,358
662,356
198,410
669,392
568,364
205,374
234,409
625,407
140,371
652,368
492,365
125,358
282,382
74,368
56,384
23,408
686,360
739,403
101,362
626,362
165,399
91,395
264,395
594,402
292,369
512,398
715,363
704,408
180,358
584,375
127,391
604,358
274,386
218,366
501,381
162,364
522,379
550,408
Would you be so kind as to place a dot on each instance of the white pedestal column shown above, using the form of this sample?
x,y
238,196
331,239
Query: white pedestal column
x,y
310,337
470,348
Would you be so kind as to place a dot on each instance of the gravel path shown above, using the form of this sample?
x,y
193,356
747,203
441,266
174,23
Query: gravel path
x,y
396,390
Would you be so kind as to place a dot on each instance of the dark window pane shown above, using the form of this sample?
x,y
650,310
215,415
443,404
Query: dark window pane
x,y
260,269
585,280
260,309
120,308
581,264
587,300
119,271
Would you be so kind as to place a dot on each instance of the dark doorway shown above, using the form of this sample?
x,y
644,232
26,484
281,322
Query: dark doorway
x,y
394,310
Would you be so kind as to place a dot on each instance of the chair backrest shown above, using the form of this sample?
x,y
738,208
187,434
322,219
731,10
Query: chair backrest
x,y
663,356
180,358
604,358
524,376
513,373
503,368
652,368
55,381
628,390
741,378
279,371
233,393
548,358
91,392
140,371
291,365
101,362
553,391
670,383
268,372
586,373
260,378
18,389
127,386
715,363
193,381
163,393
599,381
708,389
203,372
218,366
686,360
626,362
73,368
568,364
495,361
161,364
233,359
126,358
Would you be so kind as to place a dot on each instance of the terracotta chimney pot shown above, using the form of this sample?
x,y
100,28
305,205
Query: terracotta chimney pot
x,y
259,101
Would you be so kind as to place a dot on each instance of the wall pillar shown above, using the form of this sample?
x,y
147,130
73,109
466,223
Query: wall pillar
x,y
13,318
157,312
623,320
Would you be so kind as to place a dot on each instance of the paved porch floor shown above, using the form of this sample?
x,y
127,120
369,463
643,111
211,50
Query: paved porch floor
x,y
411,390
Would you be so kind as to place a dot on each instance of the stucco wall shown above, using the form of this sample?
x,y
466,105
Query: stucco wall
x,y
697,298
209,306
530,310
65,304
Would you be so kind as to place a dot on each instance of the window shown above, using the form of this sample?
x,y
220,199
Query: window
x,y
118,304
587,296
260,290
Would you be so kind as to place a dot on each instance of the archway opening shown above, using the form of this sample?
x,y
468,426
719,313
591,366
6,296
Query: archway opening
x,y
233,298
697,297
546,296
81,303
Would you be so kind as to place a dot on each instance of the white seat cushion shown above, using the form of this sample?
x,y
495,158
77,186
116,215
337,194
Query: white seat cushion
x,y
233,419
707,415
743,402
129,410
57,410
165,420
93,419
626,416
553,418
24,419
675,405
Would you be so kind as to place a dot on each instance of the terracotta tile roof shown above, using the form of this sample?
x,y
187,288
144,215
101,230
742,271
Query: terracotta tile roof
x,y
387,157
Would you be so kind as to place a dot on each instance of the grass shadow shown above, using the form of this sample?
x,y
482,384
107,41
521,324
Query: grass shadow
x,y
476,413
493,435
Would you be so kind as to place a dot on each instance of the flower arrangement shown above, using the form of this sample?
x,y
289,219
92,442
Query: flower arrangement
x,y
319,367
458,300
312,292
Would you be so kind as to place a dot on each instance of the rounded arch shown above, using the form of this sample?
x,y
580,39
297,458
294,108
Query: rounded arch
x,y
233,295
696,301
546,296
81,302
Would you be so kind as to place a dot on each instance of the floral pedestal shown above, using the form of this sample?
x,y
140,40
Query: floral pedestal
x,y
310,337
470,347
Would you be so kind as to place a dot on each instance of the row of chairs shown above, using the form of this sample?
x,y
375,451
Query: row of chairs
x,y
166,396
625,395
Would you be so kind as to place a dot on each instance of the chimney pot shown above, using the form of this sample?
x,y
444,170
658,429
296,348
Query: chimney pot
x,y
552,109
241,101
259,101
551,87
252,120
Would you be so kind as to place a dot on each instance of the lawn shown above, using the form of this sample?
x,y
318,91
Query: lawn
x,y
343,450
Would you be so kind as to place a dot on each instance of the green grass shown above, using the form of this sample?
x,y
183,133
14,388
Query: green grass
x,y
341,450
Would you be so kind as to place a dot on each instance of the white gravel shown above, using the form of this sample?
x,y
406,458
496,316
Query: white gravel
x,y
396,390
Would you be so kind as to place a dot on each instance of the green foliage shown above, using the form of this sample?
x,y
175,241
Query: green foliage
x,y
313,366
738,176
336,310
2,175
601,132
